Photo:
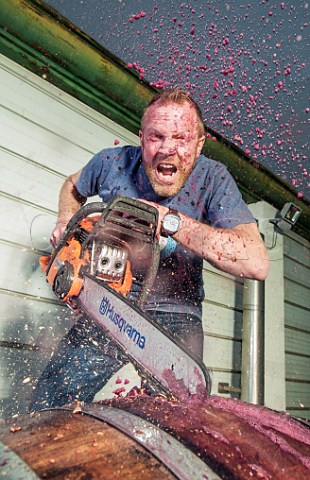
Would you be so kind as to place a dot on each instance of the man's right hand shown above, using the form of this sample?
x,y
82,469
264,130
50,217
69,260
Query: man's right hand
x,y
69,203
57,232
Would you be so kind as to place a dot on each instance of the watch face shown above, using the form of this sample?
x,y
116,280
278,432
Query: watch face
x,y
171,223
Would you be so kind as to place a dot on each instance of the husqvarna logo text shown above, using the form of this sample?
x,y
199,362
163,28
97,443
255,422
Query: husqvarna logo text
x,y
108,310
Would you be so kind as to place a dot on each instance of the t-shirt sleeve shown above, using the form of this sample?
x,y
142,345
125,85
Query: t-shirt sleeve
x,y
94,173
226,208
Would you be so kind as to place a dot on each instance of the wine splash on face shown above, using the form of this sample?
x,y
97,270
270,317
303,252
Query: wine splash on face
x,y
170,142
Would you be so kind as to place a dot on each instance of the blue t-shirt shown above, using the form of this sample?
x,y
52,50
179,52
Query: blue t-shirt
x,y
209,195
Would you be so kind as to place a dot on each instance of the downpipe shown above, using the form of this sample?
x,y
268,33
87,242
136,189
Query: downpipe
x,y
252,366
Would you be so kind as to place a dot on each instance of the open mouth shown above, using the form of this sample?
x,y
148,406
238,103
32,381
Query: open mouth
x,y
166,172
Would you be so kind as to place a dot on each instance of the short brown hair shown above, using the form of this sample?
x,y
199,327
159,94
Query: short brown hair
x,y
179,96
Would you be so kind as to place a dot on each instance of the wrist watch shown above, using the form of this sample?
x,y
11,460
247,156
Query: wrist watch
x,y
170,223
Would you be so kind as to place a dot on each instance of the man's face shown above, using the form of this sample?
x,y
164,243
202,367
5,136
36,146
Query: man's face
x,y
170,145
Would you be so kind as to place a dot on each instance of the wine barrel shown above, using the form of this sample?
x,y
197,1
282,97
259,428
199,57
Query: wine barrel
x,y
107,444
153,438
238,440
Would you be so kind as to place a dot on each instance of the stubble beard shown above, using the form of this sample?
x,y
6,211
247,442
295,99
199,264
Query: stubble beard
x,y
165,190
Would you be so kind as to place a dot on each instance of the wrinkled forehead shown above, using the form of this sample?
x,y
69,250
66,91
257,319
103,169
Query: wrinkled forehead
x,y
173,115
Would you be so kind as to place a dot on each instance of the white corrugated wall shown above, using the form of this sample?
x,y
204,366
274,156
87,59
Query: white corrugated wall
x,y
44,135
297,324
222,323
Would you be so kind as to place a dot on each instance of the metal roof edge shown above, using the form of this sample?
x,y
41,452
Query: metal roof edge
x,y
40,39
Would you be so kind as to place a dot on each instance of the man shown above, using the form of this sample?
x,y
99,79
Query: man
x,y
210,221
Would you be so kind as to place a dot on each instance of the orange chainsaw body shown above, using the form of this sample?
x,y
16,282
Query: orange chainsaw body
x,y
72,254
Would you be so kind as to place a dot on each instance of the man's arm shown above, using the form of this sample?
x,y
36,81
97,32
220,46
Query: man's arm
x,y
239,251
70,201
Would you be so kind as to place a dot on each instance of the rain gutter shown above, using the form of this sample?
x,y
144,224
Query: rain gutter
x,y
38,38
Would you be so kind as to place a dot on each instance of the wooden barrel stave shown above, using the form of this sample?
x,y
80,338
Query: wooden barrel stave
x,y
62,445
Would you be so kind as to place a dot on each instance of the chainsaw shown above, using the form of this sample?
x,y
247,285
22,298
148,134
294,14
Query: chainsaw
x,y
105,250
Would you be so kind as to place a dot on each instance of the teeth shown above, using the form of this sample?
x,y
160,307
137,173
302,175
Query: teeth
x,y
167,168
166,171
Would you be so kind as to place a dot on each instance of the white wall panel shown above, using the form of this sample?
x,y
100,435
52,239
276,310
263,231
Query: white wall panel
x,y
47,106
222,289
296,317
24,224
29,181
39,144
44,135
31,321
222,324
222,321
222,353
297,367
297,324
297,294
